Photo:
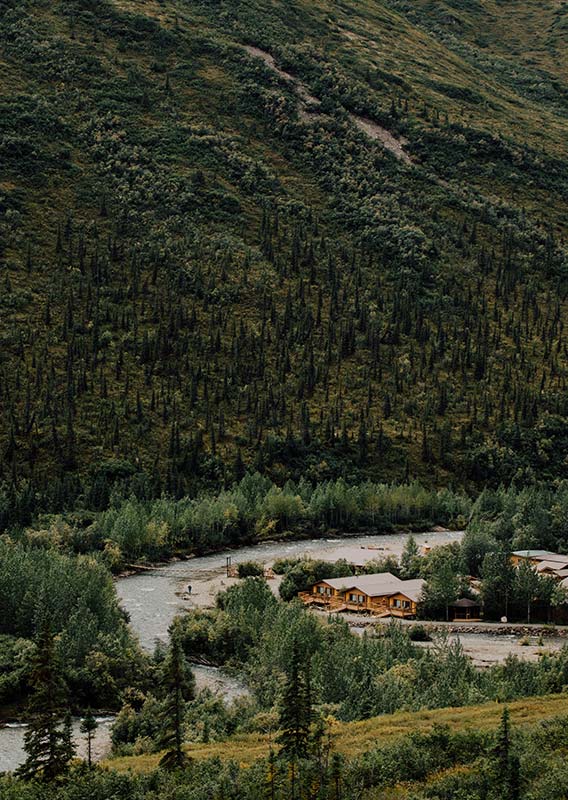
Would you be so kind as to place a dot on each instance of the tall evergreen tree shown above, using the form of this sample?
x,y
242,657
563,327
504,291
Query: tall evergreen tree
x,y
47,742
506,765
179,687
295,710
88,726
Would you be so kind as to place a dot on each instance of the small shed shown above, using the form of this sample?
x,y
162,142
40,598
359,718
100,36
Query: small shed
x,y
465,609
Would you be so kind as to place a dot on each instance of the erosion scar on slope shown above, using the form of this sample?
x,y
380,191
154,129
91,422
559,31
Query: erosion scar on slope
x,y
372,129
300,88
389,142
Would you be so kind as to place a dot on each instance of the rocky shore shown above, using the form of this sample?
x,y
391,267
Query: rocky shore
x,y
485,628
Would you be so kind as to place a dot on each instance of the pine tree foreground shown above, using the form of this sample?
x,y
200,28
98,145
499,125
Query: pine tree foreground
x,y
179,687
47,742
88,727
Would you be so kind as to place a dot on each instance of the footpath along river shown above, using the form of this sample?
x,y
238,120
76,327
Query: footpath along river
x,y
154,597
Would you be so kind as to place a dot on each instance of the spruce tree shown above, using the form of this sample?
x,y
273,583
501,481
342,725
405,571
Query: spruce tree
x,y
295,710
503,742
88,726
179,687
506,767
47,741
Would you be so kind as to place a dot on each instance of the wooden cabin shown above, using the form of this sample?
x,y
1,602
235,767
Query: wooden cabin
x,y
381,594
536,557
544,562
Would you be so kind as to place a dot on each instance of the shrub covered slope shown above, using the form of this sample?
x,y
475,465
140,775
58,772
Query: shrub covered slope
x,y
315,239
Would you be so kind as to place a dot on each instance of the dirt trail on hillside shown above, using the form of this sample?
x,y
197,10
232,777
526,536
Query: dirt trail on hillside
x,y
389,142
300,88
309,104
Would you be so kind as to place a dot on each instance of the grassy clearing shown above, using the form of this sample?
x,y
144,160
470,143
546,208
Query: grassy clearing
x,y
356,737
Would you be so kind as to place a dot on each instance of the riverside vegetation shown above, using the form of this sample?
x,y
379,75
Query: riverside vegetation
x,y
43,583
270,269
299,701
47,581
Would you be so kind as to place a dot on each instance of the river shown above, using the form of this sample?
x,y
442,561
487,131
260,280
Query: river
x,y
12,742
12,734
154,597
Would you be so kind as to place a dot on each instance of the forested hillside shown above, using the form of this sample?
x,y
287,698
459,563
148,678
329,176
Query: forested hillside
x,y
304,237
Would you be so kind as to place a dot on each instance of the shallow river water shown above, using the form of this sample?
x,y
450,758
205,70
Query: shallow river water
x,y
12,734
12,742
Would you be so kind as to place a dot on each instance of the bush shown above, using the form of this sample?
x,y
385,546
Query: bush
x,y
250,569
419,633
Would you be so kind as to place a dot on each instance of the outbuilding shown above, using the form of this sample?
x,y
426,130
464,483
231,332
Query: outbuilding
x,y
465,609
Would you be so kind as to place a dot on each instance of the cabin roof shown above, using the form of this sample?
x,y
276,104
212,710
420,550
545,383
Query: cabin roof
x,y
465,602
554,558
555,566
411,589
366,583
534,554
381,584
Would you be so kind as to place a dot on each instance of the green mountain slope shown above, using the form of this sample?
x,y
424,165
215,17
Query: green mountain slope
x,y
308,238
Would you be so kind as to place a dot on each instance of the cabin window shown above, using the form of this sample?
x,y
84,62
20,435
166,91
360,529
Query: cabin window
x,y
328,591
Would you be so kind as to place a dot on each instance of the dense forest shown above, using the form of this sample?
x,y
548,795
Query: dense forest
x,y
75,598
212,263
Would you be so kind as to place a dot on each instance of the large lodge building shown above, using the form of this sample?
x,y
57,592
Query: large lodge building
x,y
382,595
544,562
